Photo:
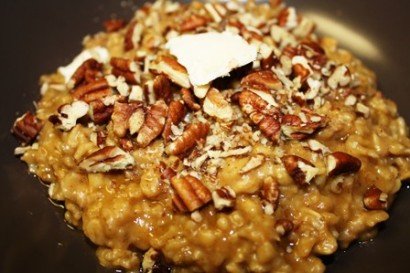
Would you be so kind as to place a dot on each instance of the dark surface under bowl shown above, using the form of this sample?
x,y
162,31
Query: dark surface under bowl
x,y
38,36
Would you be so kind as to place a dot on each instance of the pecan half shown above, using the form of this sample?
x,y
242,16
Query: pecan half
x,y
191,192
121,116
26,128
189,99
192,134
375,199
301,170
173,70
269,194
154,123
223,198
127,69
262,80
342,163
176,112
302,126
68,114
107,159
92,91
87,72
216,106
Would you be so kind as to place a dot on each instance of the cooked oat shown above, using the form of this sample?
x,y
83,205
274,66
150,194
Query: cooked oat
x,y
266,169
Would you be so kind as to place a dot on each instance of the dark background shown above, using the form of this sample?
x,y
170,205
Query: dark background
x,y
38,36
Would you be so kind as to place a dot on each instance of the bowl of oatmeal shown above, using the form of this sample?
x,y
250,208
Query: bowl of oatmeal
x,y
153,157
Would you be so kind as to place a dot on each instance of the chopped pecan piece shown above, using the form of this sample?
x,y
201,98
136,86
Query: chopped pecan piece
x,y
113,25
301,170
107,159
192,22
121,116
68,114
92,91
283,227
215,105
173,70
375,199
192,134
99,112
253,163
189,99
223,198
342,163
341,77
127,69
301,126
262,80
136,120
153,262
191,192
288,18
154,123
270,195
26,128
176,112
162,88
132,36
87,72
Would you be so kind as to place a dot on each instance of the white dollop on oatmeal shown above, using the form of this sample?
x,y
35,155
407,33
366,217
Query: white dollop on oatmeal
x,y
99,53
208,56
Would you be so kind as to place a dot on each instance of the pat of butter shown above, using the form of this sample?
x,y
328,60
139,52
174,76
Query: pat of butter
x,y
99,53
208,56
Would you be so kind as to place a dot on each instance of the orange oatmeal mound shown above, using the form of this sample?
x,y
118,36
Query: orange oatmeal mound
x,y
216,137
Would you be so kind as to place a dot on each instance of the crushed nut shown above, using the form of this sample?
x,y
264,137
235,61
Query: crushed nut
x,y
375,199
26,128
99,112
162,88
92,91
191,192
87,72
189,99
283,227
223,198
342,163
192,22
253,163
176,112
153,262
107,159
301,170
174,71
127,69
215,105
121,116
68,114
265,80
270,195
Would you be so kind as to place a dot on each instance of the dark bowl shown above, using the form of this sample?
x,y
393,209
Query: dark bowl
x,y
38,36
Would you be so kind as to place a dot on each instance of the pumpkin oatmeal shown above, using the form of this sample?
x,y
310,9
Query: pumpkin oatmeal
x,y
216,137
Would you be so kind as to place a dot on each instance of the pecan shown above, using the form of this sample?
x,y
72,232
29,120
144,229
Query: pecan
x,y
173,70
269,61
283,227
288,18
162,88
261,80
121,115
132,36
68,114
101,138
176,113
192,134
223,198
269,194
126,144
107,159
375,199
153,262
136,120
99,112
167,172
189,99
127,69
341,77
192,22
342,163
86,72
26,128
314,52
253,163
92,91
216,10
301,170
301,71
113,25
191,192
154,123
270,127
301,126
215,105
